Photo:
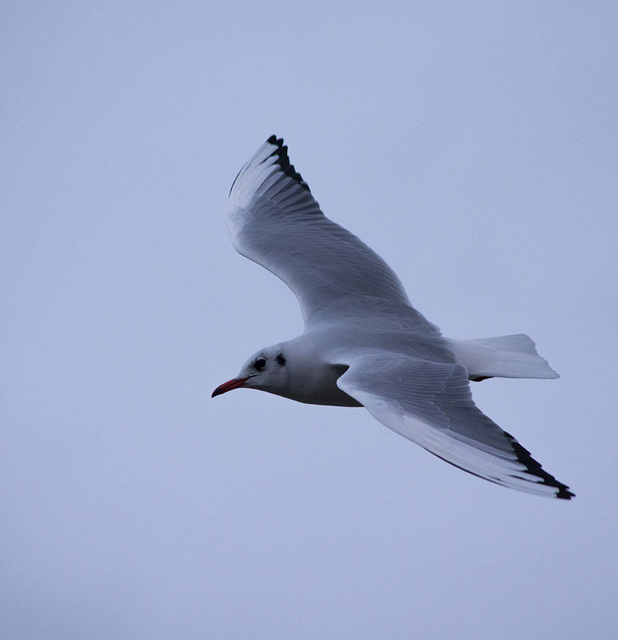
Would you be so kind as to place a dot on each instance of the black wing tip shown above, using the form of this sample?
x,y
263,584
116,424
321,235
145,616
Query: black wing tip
x,y
564,493
283,160
534,468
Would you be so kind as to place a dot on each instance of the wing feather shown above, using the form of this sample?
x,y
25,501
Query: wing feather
x,y
430,403
274,220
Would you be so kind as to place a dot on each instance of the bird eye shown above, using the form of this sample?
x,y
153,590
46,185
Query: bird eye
x,y
259,363
281,359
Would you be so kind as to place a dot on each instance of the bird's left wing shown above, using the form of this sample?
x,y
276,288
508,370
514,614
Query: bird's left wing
x,y
430,403
274,220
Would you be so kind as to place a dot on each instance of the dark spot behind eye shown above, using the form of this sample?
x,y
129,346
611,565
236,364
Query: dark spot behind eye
x,y
281,359
259,363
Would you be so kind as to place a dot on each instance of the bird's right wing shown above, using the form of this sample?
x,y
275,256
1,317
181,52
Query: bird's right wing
x,y
274,220
430,403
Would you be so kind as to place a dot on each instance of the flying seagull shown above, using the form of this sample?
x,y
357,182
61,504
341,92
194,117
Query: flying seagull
x,y
364,344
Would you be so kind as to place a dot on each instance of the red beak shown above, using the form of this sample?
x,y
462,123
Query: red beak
x,y
234,383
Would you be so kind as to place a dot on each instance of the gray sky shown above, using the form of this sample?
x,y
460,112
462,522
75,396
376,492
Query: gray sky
x,y
473,145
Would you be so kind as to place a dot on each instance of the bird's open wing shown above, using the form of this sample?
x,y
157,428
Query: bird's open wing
x,y
430,403
274,220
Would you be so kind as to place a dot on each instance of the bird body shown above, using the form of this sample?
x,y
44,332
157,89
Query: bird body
x,y
364,344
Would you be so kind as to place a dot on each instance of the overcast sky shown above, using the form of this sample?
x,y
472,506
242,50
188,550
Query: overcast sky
x,y
472,144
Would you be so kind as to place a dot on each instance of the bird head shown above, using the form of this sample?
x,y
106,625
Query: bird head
x,y
265,370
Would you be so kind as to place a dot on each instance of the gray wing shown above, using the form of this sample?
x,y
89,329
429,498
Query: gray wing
x,y
430,403
274,220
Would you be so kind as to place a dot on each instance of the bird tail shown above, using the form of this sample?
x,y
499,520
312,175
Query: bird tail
x,y
513,356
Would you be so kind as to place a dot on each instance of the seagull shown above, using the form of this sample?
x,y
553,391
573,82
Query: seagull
x,y
364,344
